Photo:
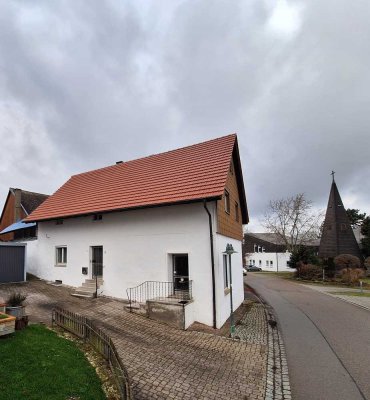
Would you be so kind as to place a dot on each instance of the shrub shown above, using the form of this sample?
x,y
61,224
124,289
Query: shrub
x,y
347,261
16,299
308,271
367,262
351,275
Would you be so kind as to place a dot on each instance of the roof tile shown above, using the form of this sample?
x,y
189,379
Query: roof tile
x,y
190,173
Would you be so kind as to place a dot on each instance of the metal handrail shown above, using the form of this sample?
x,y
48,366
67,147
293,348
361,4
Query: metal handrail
x,y
180,289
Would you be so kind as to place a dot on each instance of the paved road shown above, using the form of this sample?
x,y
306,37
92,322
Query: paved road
x,y
327,340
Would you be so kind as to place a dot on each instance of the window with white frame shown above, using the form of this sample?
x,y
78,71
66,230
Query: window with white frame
x,y
61,255
267,263
271,263
260,263
226,272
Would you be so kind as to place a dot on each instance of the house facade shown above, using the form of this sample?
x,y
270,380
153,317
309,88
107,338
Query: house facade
x,y
161,220
18,205
268,252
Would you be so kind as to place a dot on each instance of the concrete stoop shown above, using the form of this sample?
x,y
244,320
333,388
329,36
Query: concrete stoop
x,y
88,288
169,312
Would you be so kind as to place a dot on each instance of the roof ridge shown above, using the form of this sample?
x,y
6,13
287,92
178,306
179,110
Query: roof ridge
x,y
157,154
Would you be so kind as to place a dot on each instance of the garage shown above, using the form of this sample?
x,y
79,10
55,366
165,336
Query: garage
x,y
12,262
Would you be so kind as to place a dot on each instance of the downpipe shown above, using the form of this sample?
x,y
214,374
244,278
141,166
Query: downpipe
x,y
212,264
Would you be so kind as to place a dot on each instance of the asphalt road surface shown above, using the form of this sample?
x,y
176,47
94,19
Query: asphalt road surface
x,y
327,340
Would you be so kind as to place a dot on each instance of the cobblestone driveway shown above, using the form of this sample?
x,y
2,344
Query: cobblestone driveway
x,y
162,362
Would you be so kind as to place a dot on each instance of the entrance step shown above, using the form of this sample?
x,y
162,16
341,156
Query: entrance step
x,y
88,288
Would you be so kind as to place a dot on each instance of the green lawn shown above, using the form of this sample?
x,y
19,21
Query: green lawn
x,y
357,294
36,364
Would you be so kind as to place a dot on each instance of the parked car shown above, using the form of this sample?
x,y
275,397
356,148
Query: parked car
x,y
253,268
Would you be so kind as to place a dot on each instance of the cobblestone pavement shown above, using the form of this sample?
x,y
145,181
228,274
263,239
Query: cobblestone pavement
x,y
363,302
162,362
253,326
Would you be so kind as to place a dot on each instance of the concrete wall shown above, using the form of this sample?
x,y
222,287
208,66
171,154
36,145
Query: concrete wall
x,y
279,261
137,246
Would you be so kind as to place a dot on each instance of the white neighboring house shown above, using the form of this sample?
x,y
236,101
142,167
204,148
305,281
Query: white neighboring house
x,y
165,219
267,251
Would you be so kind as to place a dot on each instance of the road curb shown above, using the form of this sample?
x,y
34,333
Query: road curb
x,y
277,376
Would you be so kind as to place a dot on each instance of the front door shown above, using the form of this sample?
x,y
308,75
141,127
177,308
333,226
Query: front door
x,y
180,272
97,261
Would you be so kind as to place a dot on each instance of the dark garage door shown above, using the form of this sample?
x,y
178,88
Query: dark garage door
x,y
12,259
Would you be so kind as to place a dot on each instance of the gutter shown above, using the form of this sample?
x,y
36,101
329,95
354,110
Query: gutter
x,y
212,264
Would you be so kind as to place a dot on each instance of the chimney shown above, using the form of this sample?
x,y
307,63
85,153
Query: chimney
x,y
17,205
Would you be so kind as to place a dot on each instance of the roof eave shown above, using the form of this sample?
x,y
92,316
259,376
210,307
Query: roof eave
x,y
198,200
240,182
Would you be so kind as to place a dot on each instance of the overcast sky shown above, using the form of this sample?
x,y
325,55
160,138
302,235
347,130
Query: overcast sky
x,y
86,83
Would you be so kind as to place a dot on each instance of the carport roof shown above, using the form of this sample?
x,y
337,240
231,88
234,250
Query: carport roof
x,y
17,226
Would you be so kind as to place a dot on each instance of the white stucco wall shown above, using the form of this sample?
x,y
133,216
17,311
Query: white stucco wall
x,y
32,256
222,296
279,261
136,247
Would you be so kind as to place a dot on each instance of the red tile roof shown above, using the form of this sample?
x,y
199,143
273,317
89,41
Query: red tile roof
x,y
188,174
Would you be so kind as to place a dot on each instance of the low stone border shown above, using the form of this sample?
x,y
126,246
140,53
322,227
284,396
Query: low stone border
x,y
277,384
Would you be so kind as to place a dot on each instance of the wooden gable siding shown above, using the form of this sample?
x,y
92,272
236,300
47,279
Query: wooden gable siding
x,y
8,217
227,224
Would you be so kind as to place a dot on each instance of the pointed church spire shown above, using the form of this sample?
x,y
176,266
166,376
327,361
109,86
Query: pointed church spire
x,y
337,236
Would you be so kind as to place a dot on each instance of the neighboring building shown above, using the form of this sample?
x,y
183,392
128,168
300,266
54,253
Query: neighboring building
x,y
337,235
165,218
268,251
18,205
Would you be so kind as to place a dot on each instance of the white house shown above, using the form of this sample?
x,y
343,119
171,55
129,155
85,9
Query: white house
x,y
164,219
268,252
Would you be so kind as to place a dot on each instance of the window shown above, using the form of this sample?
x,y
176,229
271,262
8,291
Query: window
x,y
61,255
267,263
226,273
236,212
271,263
260,263
97,217
255,248
59,222
227,202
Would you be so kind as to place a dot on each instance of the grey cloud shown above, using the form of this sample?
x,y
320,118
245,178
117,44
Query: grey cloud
x,y
109,81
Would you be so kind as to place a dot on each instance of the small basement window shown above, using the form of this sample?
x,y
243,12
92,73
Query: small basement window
x,y
61,255
227,202
97,217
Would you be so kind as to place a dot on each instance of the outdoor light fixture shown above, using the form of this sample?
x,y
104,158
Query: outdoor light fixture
x,y
230,250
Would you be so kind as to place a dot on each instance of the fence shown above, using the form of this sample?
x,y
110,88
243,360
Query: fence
x,y
85,329
179,290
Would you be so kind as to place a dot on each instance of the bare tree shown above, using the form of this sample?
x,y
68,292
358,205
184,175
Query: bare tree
x,y
293,220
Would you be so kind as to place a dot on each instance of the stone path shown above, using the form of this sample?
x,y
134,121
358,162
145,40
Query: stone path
x,y
162,362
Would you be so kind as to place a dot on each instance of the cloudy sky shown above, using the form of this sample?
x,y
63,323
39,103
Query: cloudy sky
x,y
86,83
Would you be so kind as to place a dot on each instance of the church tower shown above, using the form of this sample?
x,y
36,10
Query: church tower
x,y
337,235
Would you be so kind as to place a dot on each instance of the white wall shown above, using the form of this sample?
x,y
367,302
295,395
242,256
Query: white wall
x,y
136,247
279,261
222,296
32,256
